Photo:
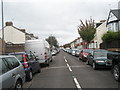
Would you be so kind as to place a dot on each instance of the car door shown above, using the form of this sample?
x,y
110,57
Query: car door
x,y
13,64
91,58
7,75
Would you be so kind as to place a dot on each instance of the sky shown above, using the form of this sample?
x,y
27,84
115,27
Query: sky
x,y
59,18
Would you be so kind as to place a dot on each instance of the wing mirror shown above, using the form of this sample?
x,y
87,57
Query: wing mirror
x,y
37,58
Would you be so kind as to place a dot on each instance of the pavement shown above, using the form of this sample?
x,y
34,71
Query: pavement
x,y
66,71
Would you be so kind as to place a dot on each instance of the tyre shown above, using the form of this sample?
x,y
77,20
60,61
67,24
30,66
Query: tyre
x,y
87,62
48,64
51,59
18,85
94,66
29,76
39,70
116,73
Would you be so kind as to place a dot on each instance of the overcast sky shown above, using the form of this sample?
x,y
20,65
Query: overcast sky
x,y
55,17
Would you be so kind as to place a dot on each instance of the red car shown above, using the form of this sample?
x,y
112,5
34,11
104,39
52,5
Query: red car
x,y
84,53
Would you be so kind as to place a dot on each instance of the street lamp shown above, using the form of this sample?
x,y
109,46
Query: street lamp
x,y
2,27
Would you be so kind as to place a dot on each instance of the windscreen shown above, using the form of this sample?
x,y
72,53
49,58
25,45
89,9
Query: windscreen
x,y
100,54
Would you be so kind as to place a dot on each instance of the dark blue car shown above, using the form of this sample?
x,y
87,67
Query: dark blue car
x,y
29,62
98,59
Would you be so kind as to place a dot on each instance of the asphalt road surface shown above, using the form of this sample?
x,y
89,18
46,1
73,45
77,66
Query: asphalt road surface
x,y
66,71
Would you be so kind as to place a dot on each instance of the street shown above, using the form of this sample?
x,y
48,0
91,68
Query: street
x,y
66,71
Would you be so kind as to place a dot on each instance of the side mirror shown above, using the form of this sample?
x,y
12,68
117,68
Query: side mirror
x,y
36,58
91,56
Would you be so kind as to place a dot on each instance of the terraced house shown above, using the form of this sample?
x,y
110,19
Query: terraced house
x,y
14,38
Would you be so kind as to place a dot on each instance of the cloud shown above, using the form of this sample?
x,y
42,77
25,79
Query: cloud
x,y
57,17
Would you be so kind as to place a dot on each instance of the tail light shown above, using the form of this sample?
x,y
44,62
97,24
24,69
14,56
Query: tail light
x,y
25,61
45,55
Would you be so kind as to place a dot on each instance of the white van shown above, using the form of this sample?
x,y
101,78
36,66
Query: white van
x,y
39,48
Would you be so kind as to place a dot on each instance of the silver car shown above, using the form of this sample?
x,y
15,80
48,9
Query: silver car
x,y
12,74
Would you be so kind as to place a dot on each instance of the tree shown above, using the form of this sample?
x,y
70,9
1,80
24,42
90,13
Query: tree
x,y
87,30
52,41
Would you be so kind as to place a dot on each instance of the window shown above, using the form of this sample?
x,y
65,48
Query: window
x,y
3,67
12,62
19,57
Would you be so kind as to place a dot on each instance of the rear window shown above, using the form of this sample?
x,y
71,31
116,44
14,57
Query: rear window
x,y
12,62
3,67
30,57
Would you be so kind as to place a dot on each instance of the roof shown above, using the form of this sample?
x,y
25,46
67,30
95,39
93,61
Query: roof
x,y
116,13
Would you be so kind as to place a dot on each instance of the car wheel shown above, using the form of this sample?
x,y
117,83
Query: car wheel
x,y
51,59
39,70
94,66
116,73
18,85
30,76
87,62
48,64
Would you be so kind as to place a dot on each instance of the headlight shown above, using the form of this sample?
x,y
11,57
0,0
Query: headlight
x,y
85,55
100,61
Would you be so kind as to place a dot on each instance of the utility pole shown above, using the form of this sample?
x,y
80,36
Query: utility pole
x,y
2,27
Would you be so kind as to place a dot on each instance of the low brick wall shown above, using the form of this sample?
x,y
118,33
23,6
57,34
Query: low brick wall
x,y
2,46
14,48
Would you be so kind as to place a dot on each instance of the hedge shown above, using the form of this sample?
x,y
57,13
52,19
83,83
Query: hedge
x,y
111,36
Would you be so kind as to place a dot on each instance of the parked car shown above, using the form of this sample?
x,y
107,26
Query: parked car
x,y
31,65
41,49
115,57
77,53
73,51
12,74
98,59
54,52
84,53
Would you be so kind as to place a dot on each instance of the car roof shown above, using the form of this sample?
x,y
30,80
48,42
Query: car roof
x,y
4,56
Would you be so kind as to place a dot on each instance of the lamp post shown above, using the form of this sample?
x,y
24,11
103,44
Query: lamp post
x,y
2,27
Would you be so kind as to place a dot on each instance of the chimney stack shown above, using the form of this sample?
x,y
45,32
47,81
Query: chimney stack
x,y
9,24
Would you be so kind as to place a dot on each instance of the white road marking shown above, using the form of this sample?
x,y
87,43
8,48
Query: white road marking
x,y
65,59
77,83
69,67
74,78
